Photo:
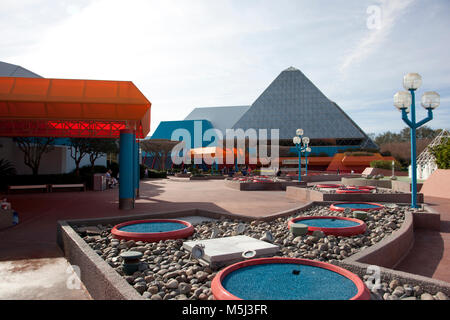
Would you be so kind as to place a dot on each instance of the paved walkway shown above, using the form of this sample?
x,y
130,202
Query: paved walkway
x,y
430,255
32,265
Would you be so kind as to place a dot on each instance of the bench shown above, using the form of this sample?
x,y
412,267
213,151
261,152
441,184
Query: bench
x,y
28,187
63,186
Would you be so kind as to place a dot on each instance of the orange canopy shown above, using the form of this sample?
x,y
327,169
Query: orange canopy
x,y
68,108
216,151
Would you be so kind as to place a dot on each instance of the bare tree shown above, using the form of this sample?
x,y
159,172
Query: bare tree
x,y
98,147
160,148
79,147
33,149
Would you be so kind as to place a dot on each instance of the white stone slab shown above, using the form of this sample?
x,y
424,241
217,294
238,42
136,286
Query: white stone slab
x,y
224,251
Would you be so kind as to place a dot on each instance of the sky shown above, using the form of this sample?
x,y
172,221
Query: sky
x,y
184,54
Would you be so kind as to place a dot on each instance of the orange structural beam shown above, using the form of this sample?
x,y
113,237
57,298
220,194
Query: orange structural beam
x,y
67,107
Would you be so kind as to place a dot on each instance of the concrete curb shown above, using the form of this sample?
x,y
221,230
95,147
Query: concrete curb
x,y
101,281
391,250
427,284
269,186
304,194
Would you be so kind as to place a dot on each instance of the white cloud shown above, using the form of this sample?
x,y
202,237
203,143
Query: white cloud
x,y
391,10
185,54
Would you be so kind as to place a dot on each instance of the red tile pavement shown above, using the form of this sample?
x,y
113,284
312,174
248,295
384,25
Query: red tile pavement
x,y
430,255
39,212
31,264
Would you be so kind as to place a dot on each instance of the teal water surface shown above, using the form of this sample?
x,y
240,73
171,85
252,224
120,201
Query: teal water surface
x,y
328,223
276,281
357,205
152,227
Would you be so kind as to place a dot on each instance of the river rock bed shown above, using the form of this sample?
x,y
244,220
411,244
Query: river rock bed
x,y
332,190
168,272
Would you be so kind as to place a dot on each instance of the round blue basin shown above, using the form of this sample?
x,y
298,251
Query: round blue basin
x,y
328,223
287,281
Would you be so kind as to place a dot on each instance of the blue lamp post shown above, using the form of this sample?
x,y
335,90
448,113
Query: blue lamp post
x,y
405,102
301,144
307,150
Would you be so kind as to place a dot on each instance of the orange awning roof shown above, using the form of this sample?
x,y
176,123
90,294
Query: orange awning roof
x,y
67,107
212,151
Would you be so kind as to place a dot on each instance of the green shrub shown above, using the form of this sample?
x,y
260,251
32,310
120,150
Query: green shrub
x,y
442,154
156,174
385,164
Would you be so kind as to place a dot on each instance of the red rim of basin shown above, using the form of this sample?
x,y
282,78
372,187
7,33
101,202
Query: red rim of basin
x,y
367,187
328,185
343,232
334,206
220,293
152,236
352,191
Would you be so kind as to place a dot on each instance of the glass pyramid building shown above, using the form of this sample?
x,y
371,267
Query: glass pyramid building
x,y
290,102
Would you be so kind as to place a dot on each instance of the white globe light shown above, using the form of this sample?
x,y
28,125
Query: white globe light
x,y
402,100
299,132
305,140
412,81
308,149
296,140
431,99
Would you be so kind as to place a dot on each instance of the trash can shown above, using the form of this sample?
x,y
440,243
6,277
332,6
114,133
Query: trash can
x,y
99,182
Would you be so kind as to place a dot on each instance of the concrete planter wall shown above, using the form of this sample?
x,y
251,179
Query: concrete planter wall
x,y
385,172
103,282
304,194
395,185
367,182
404,186
182,175
387,275
392,249
208,177
99,278
261,186
325,177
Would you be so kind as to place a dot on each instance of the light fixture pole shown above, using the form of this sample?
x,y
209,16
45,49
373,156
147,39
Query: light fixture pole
x,y
404,100
301,143
307,150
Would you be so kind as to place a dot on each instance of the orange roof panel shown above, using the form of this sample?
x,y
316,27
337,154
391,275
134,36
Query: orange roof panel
x,y
40,99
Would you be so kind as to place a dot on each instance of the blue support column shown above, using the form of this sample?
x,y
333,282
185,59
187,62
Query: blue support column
x,y
299,164
126,169
138,169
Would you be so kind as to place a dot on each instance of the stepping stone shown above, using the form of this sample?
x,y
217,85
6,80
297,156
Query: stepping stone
x,y
362,215
131,255
299,229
